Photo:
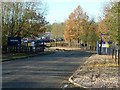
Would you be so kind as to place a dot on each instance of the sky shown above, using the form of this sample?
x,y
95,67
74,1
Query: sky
x,y
59,10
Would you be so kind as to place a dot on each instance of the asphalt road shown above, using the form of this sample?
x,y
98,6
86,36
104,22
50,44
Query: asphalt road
x,y
48,71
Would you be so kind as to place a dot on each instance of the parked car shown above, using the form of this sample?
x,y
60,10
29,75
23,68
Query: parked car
x,y
33,42
25,40
59,39
36,42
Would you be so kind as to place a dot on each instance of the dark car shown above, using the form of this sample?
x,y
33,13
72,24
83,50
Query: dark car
x,y
33,42
37,42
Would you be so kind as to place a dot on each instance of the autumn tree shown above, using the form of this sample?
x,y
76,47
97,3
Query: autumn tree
x,y
69,30
80,23
79,28
74,27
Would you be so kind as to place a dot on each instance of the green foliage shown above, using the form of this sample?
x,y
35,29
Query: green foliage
x,y
22,19
49,28
111,20
119,24
57,30
91,36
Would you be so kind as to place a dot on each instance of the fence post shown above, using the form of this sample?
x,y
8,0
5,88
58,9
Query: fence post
x,y
115,55
118,56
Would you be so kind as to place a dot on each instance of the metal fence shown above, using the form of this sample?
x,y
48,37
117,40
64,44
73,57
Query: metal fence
x,y
22,49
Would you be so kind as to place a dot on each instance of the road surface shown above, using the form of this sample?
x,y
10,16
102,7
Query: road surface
x,y
48,71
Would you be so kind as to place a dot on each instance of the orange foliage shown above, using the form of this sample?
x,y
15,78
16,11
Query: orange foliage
x,y
102,28
73,24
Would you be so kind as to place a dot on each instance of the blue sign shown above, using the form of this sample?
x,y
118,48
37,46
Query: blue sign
x,y
14,41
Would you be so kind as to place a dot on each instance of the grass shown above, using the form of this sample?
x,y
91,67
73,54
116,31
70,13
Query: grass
x,y
105,65
6,57
9,57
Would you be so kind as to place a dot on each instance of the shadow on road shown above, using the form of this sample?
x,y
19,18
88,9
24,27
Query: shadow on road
x,y
47,71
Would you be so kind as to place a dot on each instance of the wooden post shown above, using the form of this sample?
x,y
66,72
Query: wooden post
x,y
119,57
113,52
115,55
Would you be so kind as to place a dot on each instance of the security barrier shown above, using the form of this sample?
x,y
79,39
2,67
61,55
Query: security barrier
x,y
104,48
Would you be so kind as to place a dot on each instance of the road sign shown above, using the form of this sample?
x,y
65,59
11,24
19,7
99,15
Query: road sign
x,y
14,41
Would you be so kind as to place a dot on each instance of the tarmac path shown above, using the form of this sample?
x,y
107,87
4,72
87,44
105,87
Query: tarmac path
x,y
48,71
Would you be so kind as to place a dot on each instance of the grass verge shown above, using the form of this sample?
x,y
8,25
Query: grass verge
x,y
9,57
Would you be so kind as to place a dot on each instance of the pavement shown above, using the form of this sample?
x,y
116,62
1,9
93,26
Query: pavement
x,y
62,67
63,48
98,71
43,71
